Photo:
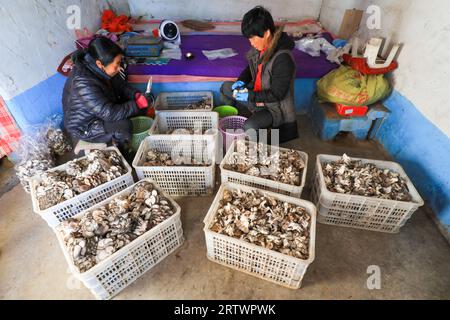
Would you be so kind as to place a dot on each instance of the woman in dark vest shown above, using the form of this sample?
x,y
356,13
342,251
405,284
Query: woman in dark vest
x,y
97,101
269,77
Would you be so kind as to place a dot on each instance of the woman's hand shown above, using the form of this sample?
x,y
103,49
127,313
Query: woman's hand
x,y
242,96
141,100
237,85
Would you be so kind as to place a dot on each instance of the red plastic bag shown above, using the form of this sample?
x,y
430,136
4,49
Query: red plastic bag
x,y
113,23
108,16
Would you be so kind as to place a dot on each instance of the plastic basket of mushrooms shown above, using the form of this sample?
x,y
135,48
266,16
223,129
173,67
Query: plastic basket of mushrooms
x,y
265,167
192,101
362,193
262,233
116,241
182,165
64,191
185,123
182,123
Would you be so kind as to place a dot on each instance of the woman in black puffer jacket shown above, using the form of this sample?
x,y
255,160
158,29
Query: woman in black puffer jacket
x,y
97,102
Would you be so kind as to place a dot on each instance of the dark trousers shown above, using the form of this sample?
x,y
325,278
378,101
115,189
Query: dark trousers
x,y
118,132
257,117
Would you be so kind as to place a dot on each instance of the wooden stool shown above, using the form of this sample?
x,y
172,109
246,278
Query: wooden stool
x,y
327,123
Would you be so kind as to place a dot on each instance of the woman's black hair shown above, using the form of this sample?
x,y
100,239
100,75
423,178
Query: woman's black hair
x,y
256,22
102,49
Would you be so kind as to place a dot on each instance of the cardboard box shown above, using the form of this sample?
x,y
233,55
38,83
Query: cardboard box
x,y
350,23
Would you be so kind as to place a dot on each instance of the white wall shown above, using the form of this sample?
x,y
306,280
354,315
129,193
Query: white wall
x,y
223,10
35,38
424,62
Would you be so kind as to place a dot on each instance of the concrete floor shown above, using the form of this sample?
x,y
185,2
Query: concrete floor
x,y
414,264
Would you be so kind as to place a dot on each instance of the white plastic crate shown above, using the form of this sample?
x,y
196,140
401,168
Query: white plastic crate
x,y
199,120
255,260
261,183
178,101
124,266
362,212
71,207
180,180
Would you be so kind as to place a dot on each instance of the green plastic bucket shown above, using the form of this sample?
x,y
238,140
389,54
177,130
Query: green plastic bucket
x,y
226,111
141,125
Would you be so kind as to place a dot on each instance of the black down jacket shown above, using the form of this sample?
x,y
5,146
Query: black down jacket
x,y
91,97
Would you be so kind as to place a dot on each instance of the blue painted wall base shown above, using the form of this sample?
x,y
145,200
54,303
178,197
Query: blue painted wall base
x,y
304,90
44,99
36,104
423,151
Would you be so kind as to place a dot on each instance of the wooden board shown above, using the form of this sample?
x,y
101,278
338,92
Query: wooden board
x,y
350,23
198,25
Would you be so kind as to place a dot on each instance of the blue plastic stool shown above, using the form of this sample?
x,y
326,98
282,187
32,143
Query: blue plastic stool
x,y
327,123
